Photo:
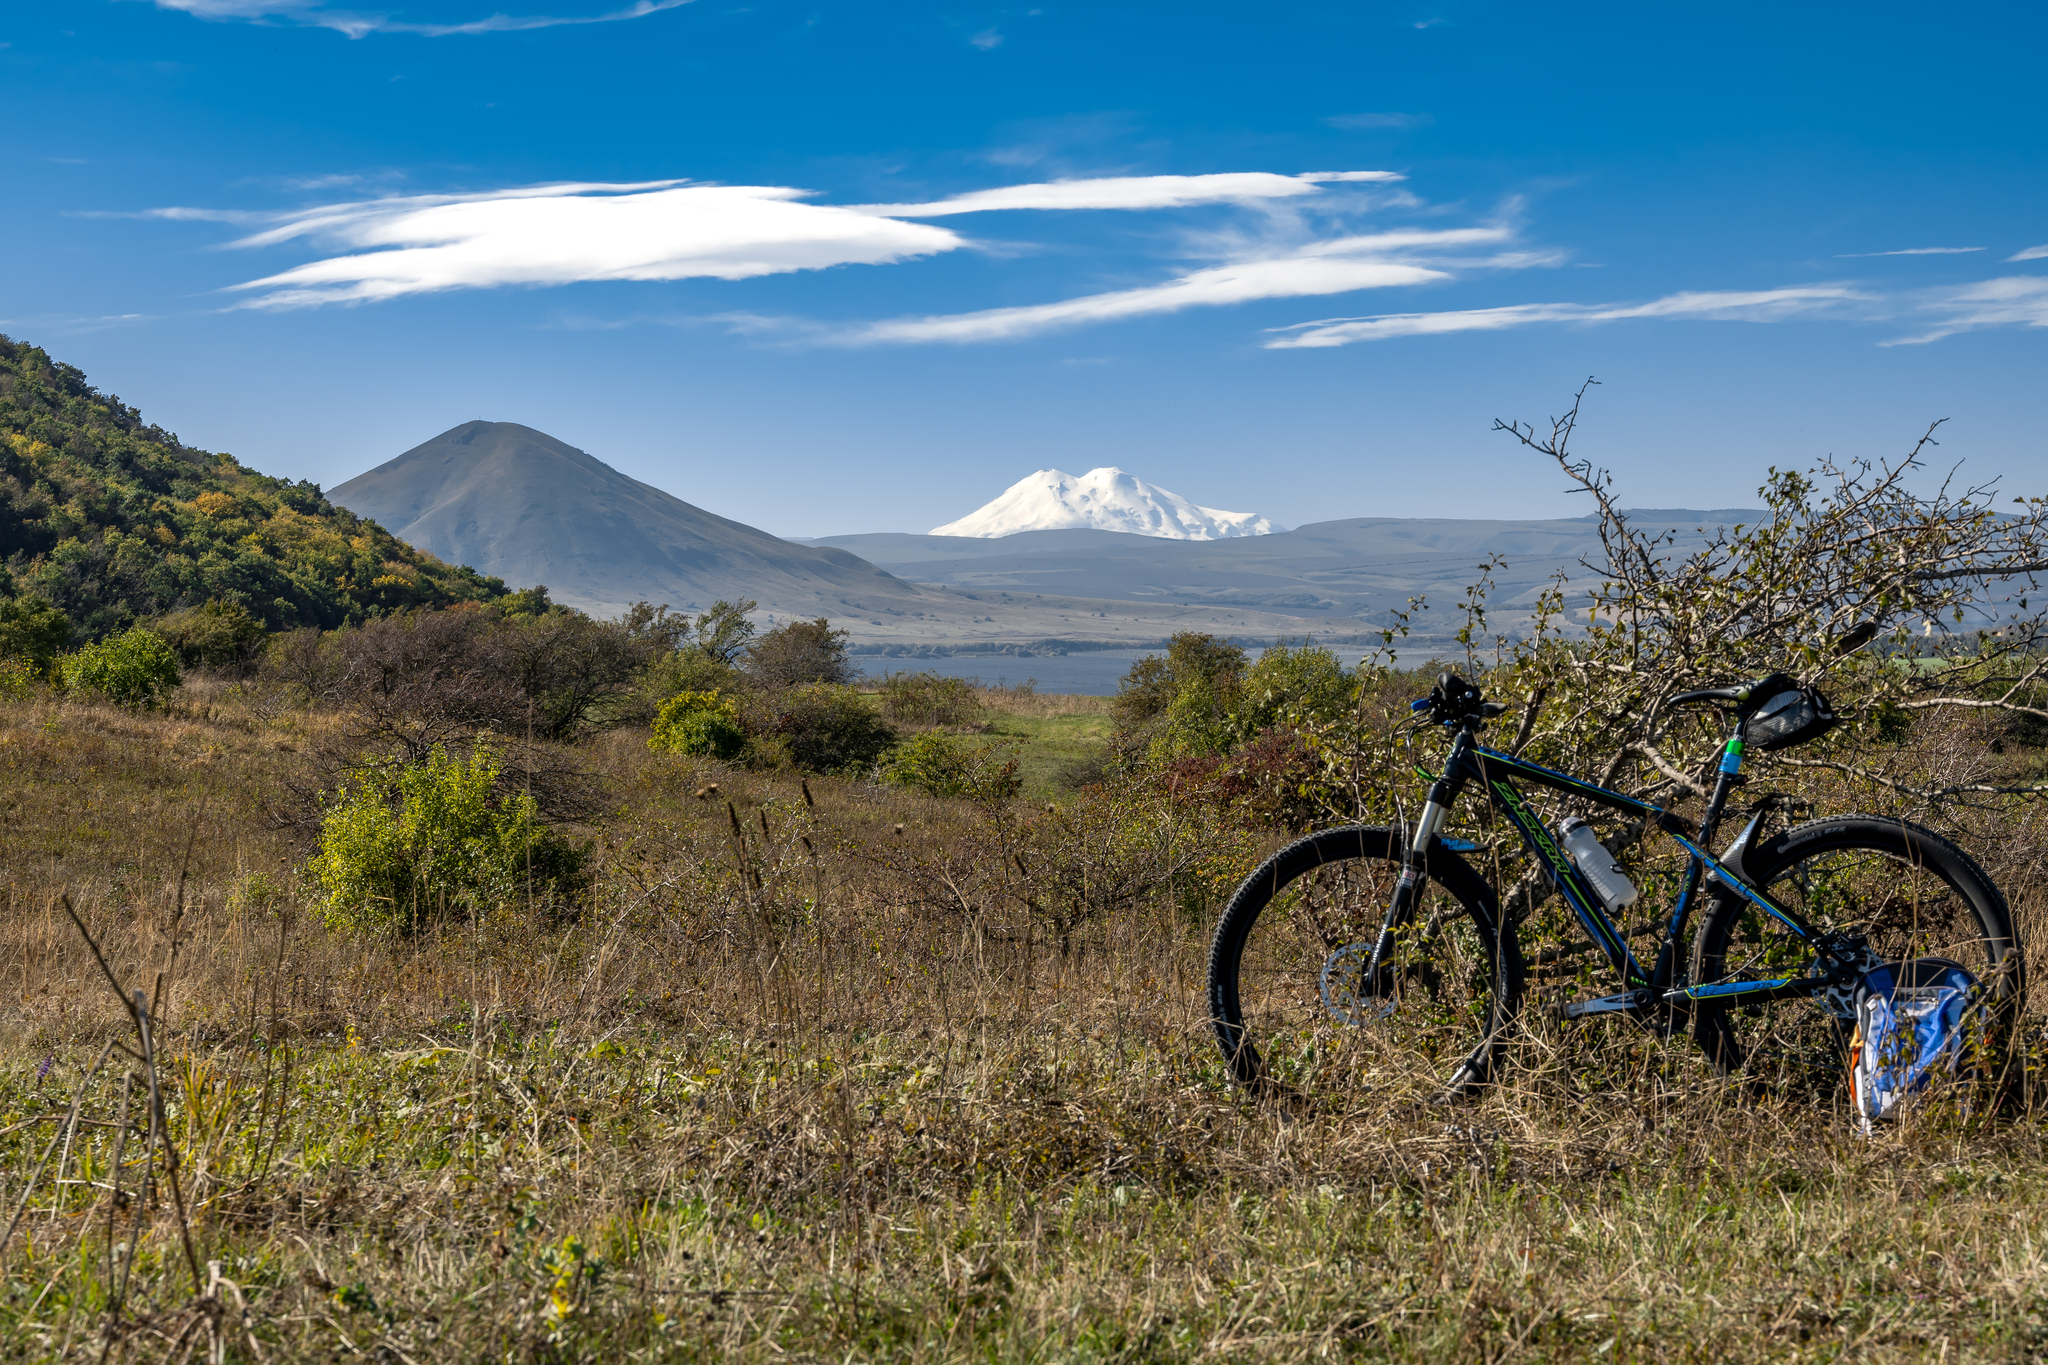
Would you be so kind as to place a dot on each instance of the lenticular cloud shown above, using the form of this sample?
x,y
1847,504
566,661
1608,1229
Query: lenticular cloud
x,y
567,234
673,230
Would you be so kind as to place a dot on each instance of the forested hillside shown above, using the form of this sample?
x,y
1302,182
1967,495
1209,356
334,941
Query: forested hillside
x,y
113,519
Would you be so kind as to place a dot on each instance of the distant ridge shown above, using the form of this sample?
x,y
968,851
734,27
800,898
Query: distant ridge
x,y
518,503
1340,574
1105,499
521,504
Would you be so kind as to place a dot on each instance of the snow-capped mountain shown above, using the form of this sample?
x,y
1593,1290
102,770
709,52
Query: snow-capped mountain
x,y
1105,499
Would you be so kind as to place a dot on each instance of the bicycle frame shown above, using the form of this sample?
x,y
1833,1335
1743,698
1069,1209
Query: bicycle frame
x,y
1496,772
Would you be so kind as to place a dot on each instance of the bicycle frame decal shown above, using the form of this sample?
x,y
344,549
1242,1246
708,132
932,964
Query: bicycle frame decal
x,y
1492,768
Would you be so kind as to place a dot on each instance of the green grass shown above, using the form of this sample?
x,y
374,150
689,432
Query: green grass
x,y
1056,750
798,1084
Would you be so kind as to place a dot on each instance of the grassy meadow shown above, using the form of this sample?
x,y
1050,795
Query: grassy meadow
x,y
801,1082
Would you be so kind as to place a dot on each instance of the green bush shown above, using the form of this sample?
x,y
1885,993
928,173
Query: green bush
x,y
32,629
215,634
929,699
1292,683
17,678
939,764
681,670
399,848
135,668
801,652
823,727
698,723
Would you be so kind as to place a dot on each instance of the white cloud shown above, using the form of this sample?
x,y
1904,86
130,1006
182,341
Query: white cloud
x,y
1766,305
1132,192
357,24
1910,251
2012,301
564,234
672,230
987,40
1378,261
2032,253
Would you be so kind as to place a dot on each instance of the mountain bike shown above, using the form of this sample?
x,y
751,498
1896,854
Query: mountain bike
x,y
1360,953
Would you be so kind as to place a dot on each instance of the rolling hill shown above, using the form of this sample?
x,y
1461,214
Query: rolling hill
x,y
115,519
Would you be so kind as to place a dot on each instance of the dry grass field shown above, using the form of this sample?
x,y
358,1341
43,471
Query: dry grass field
x,y
803,1082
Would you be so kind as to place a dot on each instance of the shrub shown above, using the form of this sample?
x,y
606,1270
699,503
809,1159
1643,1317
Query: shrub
x,y
821,727
399,847
1155,680
32,629
17,678
929,699
1292,683
939,764
682,670
135,668
215,634
801,652
698,723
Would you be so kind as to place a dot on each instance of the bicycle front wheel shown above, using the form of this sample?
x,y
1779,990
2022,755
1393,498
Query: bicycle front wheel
x,y
1287,992
1902,889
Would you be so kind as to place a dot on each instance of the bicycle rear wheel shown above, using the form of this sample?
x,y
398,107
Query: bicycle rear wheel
x,y
1905,890
1286,970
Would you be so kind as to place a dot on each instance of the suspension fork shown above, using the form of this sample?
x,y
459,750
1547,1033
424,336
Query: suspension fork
x,y
1415,861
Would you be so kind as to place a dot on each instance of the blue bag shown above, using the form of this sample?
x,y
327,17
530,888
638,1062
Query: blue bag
x,y
1910,1019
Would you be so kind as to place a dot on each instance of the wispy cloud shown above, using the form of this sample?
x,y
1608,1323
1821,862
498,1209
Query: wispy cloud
x,y
1378,261
2032,253
1764,305
1909,251
1365,122
2012,301
987,40
1132,192
359,23
672,230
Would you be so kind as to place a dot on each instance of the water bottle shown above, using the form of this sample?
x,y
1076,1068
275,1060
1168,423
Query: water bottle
x,y
1596,864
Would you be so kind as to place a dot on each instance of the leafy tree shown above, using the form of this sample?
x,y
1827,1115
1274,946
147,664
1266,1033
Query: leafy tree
x,y
801,652
724,632
135,668
528,603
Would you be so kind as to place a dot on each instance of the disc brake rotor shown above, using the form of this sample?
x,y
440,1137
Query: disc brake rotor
x,y
1345,993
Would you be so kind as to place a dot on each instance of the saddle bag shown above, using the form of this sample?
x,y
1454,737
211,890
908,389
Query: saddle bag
x,y
1794,716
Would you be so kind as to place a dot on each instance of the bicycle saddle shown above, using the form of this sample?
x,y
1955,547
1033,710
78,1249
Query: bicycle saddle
x,y
1770,685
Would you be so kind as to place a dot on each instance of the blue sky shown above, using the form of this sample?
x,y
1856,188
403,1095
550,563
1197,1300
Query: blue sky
x,y
832,268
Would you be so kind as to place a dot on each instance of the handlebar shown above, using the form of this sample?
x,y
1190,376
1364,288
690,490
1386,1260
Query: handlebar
x,y
1453,701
